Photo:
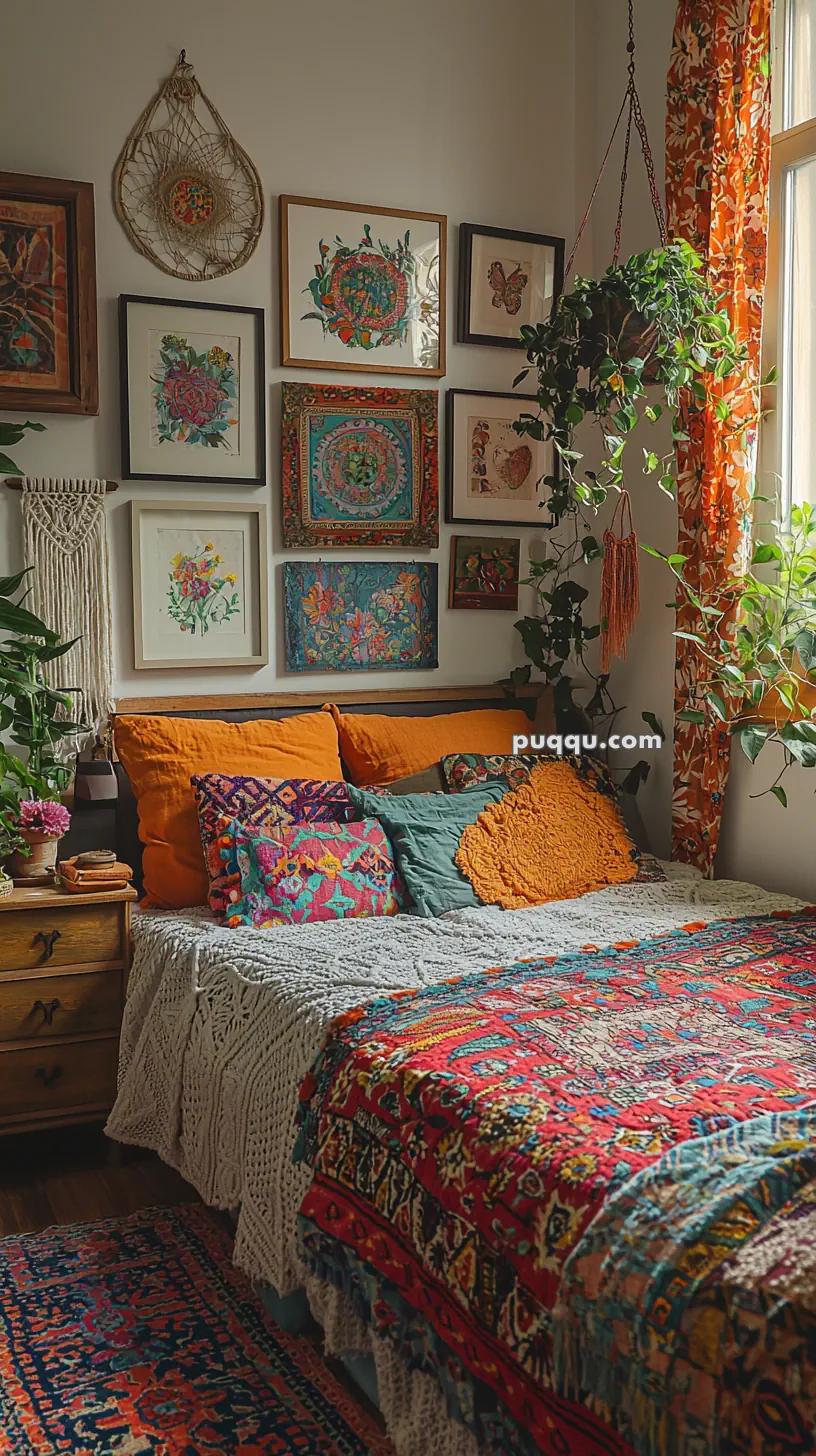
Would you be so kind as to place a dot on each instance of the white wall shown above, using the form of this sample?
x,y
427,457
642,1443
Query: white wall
x,y
421,107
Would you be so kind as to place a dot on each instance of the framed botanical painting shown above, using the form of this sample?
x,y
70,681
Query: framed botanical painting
x,y
484,573
506,279
493,473
362,287
193,388
360,466
48,348
351,616
200,590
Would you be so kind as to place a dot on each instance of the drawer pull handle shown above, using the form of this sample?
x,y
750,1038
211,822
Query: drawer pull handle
x,y
47,1011
48,1079
49,940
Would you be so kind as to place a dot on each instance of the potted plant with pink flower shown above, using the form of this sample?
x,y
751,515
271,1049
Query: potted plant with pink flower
x,y
41,824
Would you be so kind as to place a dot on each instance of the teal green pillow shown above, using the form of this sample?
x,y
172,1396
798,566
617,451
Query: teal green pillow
x,y
424,830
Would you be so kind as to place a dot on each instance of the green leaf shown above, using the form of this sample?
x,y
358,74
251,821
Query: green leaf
x,y
779,793
690,715
752,736
653,722
7,465
717,705
18,619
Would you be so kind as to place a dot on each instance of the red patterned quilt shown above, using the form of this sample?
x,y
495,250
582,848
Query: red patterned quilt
x,y
569,1188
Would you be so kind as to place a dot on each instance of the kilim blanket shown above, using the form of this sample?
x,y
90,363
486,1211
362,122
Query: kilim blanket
x,y
580,1191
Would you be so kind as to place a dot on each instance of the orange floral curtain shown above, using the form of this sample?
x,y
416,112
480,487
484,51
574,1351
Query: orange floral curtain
x,y
717,166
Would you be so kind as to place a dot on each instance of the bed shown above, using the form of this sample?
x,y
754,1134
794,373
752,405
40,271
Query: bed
x,y
242,1050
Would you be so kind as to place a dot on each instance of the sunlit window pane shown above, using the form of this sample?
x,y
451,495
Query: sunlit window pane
x,y
799,402
800,60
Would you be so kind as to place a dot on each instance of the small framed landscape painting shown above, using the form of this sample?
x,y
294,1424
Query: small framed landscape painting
x,y
359,616
48,346
484,573
192,391
506,279
200,590
362,287
493,473
360,466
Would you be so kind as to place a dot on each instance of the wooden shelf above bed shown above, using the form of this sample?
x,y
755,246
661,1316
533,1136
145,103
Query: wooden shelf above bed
x,y
216,702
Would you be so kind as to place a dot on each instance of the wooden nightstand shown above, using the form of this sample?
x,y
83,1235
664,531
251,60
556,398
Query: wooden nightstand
x,y
64,961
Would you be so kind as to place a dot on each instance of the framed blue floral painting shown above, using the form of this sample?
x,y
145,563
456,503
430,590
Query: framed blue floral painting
x,y
192,391
362,287
359,466
360,616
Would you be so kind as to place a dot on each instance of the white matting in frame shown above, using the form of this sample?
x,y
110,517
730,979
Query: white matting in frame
x,y
492,472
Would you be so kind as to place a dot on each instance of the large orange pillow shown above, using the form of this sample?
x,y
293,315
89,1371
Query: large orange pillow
x,y
160,754
379,749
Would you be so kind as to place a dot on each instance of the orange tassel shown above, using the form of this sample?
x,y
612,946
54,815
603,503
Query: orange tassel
x,y
620,588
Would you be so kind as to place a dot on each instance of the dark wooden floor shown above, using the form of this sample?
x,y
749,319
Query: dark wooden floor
x,y
67,1175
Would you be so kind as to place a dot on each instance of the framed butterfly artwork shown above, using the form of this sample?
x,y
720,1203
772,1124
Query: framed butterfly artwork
x,y
493,474
506,279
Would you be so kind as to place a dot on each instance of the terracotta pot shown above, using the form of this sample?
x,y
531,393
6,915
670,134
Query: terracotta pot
x,y
42,861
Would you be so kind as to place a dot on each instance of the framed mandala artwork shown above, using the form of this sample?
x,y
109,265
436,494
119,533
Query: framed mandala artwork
x,y
360,466
200,590
360,616
362,287
506,279
48,346
192,391
493,474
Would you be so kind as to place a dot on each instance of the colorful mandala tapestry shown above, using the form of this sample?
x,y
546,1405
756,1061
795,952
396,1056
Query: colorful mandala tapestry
x,y
138,1335
464,1138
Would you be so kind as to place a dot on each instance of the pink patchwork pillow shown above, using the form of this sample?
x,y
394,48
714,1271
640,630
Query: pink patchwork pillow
x,y
269,805
312,872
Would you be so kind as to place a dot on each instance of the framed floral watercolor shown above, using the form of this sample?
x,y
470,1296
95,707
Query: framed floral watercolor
x,y
362,287
48,345
484,573
360,616
192,391
200,588
506,279
360,466
493,473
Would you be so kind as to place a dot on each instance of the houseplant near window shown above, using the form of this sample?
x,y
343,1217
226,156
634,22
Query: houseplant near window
x,y
33,716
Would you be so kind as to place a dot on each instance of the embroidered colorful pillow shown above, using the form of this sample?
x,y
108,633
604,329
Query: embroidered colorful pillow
x,y
312,872
270,805
472,770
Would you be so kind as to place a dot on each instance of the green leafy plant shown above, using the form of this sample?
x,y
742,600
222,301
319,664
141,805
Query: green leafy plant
x,y
11,434
33,715
759,646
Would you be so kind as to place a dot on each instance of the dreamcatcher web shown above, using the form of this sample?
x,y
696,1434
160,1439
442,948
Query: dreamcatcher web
x,y
187,195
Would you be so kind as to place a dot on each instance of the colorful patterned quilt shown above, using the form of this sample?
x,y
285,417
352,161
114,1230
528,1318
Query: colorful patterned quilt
x,y
581,1192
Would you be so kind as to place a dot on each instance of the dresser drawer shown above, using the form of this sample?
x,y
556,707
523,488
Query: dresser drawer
x,y
76,935
68,1005
47,1079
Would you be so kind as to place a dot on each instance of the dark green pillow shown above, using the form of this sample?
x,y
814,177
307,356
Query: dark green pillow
x,y
424,830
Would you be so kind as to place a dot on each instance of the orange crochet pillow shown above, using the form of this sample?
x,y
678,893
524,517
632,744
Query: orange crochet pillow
x,y
558,836
161,754
379,749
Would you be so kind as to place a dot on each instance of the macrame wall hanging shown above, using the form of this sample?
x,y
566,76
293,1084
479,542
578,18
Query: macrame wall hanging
x,y
66,541
186,193
620,588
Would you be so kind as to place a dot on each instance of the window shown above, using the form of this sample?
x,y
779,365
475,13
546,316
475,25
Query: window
x,y
790,336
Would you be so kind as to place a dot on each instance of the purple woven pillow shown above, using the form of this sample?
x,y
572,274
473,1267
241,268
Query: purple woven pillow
x,y
270,805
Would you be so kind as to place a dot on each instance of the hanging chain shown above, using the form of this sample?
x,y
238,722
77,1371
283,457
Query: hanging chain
x,y
631,100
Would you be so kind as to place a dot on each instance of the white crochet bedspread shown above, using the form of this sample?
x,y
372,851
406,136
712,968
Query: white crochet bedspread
x,y
221,1025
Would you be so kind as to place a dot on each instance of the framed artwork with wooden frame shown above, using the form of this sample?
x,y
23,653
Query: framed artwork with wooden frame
x,y
48,341
506,279
200,584
484,573
362,287
193,391
492,473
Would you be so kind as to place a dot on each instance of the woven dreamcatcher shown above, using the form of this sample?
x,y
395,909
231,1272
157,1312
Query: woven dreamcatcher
x,y
187,195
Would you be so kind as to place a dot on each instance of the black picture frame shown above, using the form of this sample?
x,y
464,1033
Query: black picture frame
x,y
540,522
467,232
259,478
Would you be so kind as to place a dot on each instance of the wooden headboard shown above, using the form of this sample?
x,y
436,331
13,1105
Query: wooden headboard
x,y
242,707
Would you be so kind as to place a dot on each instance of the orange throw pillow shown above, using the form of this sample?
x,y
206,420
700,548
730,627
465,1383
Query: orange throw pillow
x,y
554,838
379,749
160,754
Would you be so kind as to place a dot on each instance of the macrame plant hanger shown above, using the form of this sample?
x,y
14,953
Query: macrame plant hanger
x,y
620,586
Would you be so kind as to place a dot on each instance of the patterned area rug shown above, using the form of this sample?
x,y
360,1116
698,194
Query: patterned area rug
x,y
137,1335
